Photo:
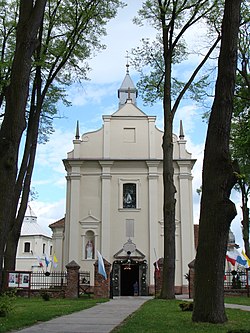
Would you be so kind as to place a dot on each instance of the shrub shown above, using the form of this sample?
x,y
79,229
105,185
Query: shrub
x,y
45,296
6,302
186,306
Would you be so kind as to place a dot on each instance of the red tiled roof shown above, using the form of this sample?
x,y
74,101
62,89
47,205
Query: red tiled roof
x,y
58,224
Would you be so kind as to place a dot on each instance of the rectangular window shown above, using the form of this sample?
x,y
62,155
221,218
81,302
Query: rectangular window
x,y
129,228
129,195
44,248
27,247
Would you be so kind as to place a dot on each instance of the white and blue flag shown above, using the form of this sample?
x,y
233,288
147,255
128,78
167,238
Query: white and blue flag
x,y
101,268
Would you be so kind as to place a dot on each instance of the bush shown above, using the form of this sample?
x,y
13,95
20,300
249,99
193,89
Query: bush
x,y
6,302
45,296
186,306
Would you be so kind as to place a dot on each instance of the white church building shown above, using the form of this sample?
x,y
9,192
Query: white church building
x,y
34,244
114,201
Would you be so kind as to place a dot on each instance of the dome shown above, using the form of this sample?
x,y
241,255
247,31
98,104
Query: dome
x,y
30,226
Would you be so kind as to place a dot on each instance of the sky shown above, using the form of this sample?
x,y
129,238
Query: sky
x,y
98,97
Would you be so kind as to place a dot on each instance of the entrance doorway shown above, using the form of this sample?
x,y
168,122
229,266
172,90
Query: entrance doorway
x,y
129,276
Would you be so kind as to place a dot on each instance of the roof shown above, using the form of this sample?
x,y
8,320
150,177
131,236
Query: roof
x,y
127,90
31,227
58,224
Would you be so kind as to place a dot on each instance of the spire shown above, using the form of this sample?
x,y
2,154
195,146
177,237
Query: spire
x,y
127,65
181,135
127,89
77,136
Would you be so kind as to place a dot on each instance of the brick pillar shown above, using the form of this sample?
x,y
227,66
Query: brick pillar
x,y
191,278
158,276
102,286
72,280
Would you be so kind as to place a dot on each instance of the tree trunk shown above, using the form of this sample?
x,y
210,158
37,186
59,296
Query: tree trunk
x,y
30,17
217,211
168,285
245,228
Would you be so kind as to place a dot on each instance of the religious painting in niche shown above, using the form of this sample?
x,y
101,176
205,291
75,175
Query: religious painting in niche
x,y
129,195
89,247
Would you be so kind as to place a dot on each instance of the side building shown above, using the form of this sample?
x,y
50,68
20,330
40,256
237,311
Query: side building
x,y
34,244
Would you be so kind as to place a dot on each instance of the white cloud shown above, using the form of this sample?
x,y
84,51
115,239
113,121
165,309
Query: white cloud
x,y
122,36
90,93
48,213
51,154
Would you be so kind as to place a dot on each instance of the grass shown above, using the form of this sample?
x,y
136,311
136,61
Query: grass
x,y
28,311
238,300
165,316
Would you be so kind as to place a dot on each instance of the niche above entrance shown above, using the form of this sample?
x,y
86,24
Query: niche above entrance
x,y
129,249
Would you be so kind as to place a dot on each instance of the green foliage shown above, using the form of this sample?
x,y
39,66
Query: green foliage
x,y
7,302
8,23
186,306
45,296
148,58
71,34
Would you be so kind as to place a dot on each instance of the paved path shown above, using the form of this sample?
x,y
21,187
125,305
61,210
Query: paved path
x,y
101,318
237,306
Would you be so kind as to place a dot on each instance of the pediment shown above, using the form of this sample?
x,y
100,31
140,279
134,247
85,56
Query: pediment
x,y
129,250
129,110
89,219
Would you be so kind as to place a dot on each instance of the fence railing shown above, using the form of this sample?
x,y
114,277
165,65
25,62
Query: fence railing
x,y
84,283
54,280
236,279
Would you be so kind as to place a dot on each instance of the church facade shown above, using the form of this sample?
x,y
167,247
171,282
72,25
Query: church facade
x,y
114,201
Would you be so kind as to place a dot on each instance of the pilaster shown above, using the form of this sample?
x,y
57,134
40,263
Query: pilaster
x,y
151,135
186,215
153,213
105,207
75,180
106,136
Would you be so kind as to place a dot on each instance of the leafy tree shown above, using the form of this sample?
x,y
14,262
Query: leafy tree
x,y
68,35
240,137
15,95
172,19
218,179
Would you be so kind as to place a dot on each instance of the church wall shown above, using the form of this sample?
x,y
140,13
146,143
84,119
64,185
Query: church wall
x,y
134,171
128,139
91,145
90,195
158,143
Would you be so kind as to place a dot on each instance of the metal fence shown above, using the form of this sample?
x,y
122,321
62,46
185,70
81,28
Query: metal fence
x,y
84,283
54,280
235,279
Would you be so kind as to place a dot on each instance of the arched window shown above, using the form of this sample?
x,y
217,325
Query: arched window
x,y
27,247
89,245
